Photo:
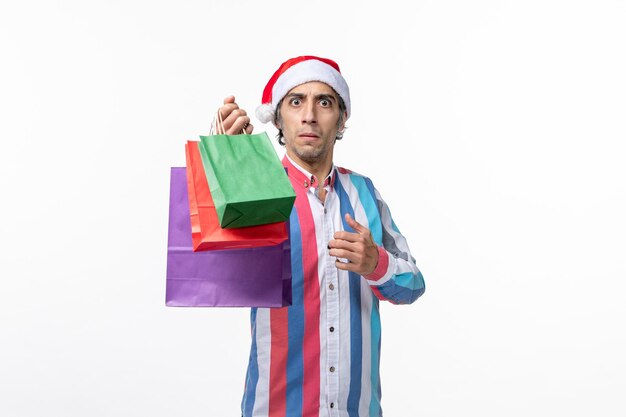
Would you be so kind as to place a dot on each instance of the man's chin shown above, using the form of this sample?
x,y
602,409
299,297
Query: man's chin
x,y
310,158
310,155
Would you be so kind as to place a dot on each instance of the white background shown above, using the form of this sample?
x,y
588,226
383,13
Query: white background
x,y
494,129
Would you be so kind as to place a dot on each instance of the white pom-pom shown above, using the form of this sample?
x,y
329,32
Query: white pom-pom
x,y
265,113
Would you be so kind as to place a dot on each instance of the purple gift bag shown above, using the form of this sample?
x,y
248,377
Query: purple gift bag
x,y
255,277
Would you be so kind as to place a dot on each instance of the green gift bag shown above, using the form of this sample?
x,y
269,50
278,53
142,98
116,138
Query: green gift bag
x,y
247,180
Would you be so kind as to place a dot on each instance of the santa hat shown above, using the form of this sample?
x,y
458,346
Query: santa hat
x,y
296,71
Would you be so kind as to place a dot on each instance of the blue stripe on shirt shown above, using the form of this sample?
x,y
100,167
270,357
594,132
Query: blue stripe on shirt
x,y
368,201
356,331
367,197
252,377
295,361
402,295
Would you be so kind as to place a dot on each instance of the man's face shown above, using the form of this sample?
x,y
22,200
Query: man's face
x,y
309,114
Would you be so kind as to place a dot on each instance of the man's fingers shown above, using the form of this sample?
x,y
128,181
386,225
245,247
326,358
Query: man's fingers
x,y
227,109
234,119
344,254
355,225
237,119
357,248
348,236
343,244
239,124
346,266
232,116
358,262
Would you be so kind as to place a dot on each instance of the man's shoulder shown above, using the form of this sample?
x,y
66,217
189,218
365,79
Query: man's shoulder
x,y
345,174
349,172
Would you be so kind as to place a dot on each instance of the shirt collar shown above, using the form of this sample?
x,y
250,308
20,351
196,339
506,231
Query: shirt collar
x,y
303,177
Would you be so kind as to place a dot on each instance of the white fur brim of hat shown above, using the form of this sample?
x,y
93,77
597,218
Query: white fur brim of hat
x,y
304,72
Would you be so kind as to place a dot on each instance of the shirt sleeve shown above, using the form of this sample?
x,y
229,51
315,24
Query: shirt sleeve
x,y
396,277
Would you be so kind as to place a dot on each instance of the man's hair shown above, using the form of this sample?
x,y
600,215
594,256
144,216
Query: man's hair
x,y
278,119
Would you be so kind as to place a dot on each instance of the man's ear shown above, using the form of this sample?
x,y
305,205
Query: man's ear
x,y
276,122
343,125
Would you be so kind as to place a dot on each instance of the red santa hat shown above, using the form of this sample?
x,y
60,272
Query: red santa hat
x,y
296,71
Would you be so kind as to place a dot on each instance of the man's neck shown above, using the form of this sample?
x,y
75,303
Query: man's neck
x,y
319,169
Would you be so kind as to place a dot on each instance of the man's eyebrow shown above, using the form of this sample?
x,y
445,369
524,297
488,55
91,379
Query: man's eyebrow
x,y
326,97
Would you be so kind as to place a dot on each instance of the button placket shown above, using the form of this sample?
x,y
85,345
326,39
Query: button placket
x,y
332,307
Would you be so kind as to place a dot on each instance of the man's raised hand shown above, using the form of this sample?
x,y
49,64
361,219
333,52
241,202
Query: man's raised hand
x,y
235,119
358,248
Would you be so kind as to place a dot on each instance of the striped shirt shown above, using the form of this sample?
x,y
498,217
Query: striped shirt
x,y
320,356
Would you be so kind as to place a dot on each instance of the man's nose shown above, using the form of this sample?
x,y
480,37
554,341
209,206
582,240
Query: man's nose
x,y
308,113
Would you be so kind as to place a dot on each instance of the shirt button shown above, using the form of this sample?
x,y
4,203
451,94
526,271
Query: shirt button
x,y
332,405
331,286
332,369
332,329
324,211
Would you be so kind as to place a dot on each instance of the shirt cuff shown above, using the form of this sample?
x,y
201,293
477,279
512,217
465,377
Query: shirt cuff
x,y
381,267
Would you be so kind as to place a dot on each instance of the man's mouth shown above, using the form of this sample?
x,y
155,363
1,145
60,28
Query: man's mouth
x,y
308,135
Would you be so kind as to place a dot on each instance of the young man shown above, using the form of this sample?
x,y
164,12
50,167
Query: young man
x,y
320,357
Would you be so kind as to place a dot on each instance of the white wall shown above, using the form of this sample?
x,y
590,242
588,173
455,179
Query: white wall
x,y
494,129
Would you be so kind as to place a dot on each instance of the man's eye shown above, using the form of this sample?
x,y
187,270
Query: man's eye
x,y
325,103
295,101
